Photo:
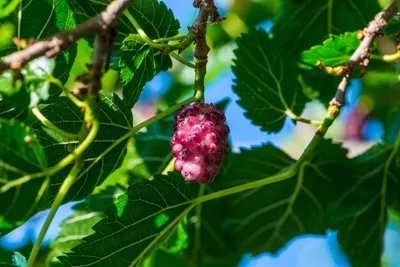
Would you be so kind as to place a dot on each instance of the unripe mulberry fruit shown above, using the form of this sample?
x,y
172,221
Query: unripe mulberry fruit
x,y
200,141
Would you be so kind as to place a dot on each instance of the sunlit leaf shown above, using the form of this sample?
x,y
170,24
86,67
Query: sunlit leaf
x,y
7,31
138,61
333,52
307,23
19,259
154,17
136,224
48,17
31,83
7,7
137,67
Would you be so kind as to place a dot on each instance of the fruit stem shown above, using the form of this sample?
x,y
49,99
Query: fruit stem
x,y
300,119
198,95
186,40
200,74
168,39
182,60
141,32
170,167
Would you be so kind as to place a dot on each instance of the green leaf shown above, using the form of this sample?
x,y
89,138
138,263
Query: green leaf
x,y
316,83
48,17
394,127
6,265
164,259
102,157
154,17
154,148
265,81
136,224
361,210
6,256
20,154
7,31
137,67
19,259
163,62
7,7
333,52
79,225
266,218
393,27
138,62
32,81
9,84
208,243
252,13
38,86
153,154
303,24
8,112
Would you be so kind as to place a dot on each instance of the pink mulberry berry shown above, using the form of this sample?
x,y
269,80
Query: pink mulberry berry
x,y
200,141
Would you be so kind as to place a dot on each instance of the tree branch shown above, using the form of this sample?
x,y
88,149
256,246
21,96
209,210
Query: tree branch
x,y
99,49
362,54
199,27
199,31
63,40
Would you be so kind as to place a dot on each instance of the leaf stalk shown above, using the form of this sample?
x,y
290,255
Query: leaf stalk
x,y
66,185
39,115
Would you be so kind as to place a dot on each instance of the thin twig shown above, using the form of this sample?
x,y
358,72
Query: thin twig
x,y
199,31
63,40
46,122
99,50
182,60
362,54
199,27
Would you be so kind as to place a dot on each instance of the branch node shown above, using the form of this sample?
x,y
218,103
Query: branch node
x,y
362,54
361,35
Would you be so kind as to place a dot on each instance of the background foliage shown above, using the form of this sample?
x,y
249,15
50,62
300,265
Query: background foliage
x,y
131,213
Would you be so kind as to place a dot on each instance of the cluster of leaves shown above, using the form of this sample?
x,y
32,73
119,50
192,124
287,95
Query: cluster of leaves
x,y
161,218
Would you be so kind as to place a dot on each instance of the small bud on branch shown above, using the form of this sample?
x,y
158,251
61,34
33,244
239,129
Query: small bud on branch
x,y
361,56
